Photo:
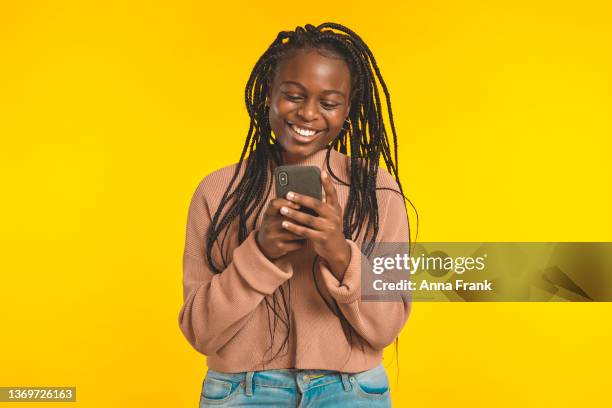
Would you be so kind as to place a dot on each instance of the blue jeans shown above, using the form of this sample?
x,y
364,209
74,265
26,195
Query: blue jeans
x,y
297,388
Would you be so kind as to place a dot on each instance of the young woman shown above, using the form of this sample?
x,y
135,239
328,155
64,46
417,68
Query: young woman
x,y
272,294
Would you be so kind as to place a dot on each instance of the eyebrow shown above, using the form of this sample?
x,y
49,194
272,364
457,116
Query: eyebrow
x,y
327,91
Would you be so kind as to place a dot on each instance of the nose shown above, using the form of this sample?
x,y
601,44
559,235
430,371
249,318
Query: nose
x,y
308,110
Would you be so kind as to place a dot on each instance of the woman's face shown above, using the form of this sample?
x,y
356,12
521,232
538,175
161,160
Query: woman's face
x,y
309,102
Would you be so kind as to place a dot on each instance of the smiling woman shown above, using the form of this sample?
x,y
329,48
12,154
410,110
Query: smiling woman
x,y
309,101
272,295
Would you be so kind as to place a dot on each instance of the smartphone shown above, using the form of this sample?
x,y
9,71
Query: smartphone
x,y
305,180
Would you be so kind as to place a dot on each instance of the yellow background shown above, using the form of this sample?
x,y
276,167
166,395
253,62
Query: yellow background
x,y
112,112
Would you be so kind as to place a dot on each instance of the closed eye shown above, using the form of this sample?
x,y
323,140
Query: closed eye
x,y
292,97
329,106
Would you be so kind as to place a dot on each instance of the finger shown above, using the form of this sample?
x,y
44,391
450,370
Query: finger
x,y
275,205
280,202
330,191
309,202
300,230
302,218
281,233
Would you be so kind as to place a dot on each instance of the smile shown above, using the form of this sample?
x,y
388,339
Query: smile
x,y
303,131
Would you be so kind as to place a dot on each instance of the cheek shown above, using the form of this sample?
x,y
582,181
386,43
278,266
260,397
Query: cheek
x,y
276,115
334,120
282,107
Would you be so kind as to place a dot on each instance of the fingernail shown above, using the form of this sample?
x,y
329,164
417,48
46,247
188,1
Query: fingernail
x,y
290,196
285,224
284,210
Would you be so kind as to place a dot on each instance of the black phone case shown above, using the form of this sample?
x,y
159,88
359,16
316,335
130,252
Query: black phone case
x,y
305,180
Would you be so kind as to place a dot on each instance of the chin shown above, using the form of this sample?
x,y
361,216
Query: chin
x,y
300,151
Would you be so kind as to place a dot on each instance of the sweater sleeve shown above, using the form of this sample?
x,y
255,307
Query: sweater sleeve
x,y
377,322
217,306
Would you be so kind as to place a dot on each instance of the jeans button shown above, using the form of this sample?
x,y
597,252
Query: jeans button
x,y
306,379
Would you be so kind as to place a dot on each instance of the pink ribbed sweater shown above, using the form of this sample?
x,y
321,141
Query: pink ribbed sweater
x,y
224,315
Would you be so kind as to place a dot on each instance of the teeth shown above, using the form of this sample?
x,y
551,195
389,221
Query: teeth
x,y
303,132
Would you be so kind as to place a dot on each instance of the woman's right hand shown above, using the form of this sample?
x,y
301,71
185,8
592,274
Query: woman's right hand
x,y
273,240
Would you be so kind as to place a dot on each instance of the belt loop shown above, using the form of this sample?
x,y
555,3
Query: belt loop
x,y
345,381
249,383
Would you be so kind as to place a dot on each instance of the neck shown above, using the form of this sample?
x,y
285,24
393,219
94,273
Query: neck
x,y
317,158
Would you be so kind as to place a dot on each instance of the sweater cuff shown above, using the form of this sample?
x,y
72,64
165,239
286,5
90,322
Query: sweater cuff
x,y
349,290
260,273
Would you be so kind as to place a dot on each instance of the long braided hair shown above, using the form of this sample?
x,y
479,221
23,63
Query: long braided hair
x,y
366,136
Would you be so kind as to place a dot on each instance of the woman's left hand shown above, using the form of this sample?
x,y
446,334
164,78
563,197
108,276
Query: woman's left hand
x,y
324,231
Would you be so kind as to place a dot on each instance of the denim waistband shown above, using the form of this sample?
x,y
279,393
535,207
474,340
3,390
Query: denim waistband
x,y
279,377
287,378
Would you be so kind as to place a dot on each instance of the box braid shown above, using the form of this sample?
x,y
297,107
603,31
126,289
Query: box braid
x,y
365,135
